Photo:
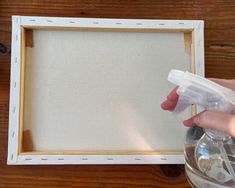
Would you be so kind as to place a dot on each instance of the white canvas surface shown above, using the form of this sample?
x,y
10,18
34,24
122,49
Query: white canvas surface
x,y
101,91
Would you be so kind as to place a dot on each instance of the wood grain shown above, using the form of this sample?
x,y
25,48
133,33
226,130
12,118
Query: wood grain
x,y
219,16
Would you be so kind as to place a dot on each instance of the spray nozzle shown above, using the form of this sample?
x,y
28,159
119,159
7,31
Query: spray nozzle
x,y
194,89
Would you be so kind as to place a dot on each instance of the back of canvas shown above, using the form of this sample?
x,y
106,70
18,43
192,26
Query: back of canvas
x,y
101,91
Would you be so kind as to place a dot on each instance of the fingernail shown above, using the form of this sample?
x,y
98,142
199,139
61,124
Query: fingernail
x,y
164,105
188,122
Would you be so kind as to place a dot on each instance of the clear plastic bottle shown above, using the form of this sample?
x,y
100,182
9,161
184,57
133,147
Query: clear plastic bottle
x,y
209,154
205,165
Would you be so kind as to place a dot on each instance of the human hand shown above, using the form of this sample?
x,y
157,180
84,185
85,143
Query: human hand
x,y
207,119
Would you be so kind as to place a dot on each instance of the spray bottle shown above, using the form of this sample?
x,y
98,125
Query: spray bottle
x,y
209,154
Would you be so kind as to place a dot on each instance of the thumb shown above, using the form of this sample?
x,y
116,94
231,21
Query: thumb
x,y
214,120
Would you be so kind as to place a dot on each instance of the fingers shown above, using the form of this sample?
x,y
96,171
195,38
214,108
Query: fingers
x,y
224,82
168,105
171,101
214,120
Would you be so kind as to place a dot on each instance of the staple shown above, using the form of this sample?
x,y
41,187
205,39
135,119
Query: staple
x,y
13,134
28,159
32,20
60,159
84,159
14,84
118,23
14,109
198,26
181,23
15,60
162,24
164,159
44,159
137,159
95,22
16,37
12,156
199,43
72,22
110,159
49,21
139,24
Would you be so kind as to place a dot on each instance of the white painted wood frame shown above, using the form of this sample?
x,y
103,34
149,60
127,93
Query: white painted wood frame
x,y
124,145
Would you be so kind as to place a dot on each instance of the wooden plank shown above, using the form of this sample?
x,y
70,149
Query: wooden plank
x,y
27,27
29,38
188,38
108,29
27,142
31,152
22,80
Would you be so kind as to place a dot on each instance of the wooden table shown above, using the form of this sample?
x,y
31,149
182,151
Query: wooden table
x,y
219,16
